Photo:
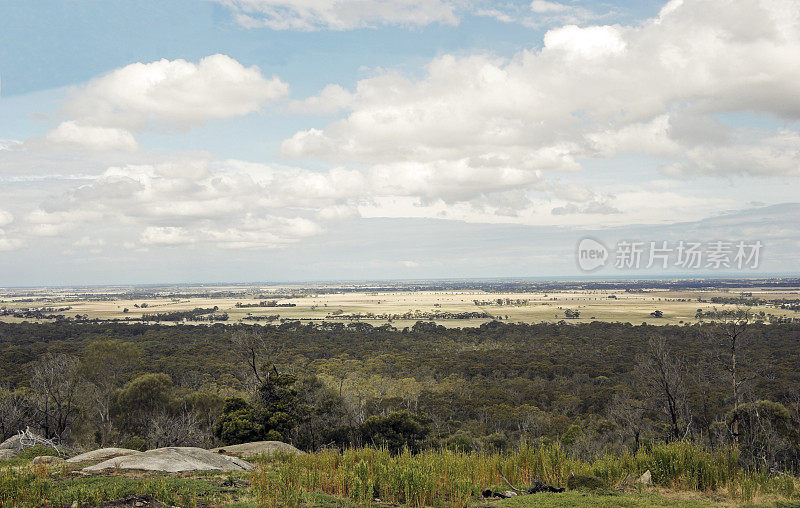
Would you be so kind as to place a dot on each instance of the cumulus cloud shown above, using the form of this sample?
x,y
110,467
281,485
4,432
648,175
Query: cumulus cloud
x,y
230,204
591,43
71,133
163,95
474,138
331,99
309,15
588,92
170,93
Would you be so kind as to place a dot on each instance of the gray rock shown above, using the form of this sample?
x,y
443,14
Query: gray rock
x,y
11,443
646,478
174,460
256,448
102,454
8,454
47,459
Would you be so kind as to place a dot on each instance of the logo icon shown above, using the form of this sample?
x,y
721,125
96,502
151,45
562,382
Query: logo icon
x,y
591,254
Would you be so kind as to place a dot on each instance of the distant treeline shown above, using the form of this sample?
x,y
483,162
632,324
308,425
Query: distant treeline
x,y
782,303
263,303
196,314
424,315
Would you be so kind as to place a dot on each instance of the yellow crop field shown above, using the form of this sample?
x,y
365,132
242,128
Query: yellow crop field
x,y
400,307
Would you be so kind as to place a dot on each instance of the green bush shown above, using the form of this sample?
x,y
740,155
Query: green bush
x,y
396,430
237,423
37,451
135,443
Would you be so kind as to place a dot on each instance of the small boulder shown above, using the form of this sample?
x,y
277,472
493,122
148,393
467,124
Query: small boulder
x,y
102,454
47,459
12,443
257,448
646,478
7,454
584,482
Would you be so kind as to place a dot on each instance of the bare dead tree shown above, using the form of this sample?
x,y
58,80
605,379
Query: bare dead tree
x,y
662,375
259,350
733,331
12,413
180,429
705,398
629,415
55,384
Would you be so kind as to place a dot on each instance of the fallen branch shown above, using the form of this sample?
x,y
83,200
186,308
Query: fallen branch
x,y
509,484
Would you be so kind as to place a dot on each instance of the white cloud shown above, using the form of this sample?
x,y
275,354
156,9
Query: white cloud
x,y
449,181
475,138
543,6
166,235
166,94
497,14
753,153
231,204
574,192
340,14
8,144
9,244
6,218
594,208
87,241
409,264
331,99
592,43
95,138
540,13
590,92
173,93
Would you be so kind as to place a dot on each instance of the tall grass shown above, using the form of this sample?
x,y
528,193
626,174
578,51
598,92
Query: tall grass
x,y
448,478
41,485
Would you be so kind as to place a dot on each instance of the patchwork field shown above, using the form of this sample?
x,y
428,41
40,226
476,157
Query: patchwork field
x,y
398,306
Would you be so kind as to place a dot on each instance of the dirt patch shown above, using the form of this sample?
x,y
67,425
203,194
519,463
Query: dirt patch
x,y
133,502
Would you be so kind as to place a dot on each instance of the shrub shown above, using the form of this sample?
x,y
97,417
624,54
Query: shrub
x,y
237,423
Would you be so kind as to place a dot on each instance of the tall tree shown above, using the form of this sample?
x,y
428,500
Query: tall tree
x,y
733,331
107,365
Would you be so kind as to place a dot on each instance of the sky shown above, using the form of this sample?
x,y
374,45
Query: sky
x,y
299,140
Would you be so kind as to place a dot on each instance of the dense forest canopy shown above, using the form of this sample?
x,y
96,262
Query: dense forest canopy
x,y
595,387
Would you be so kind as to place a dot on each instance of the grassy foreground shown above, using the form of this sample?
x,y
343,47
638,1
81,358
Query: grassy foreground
x,y
683,475
446,478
